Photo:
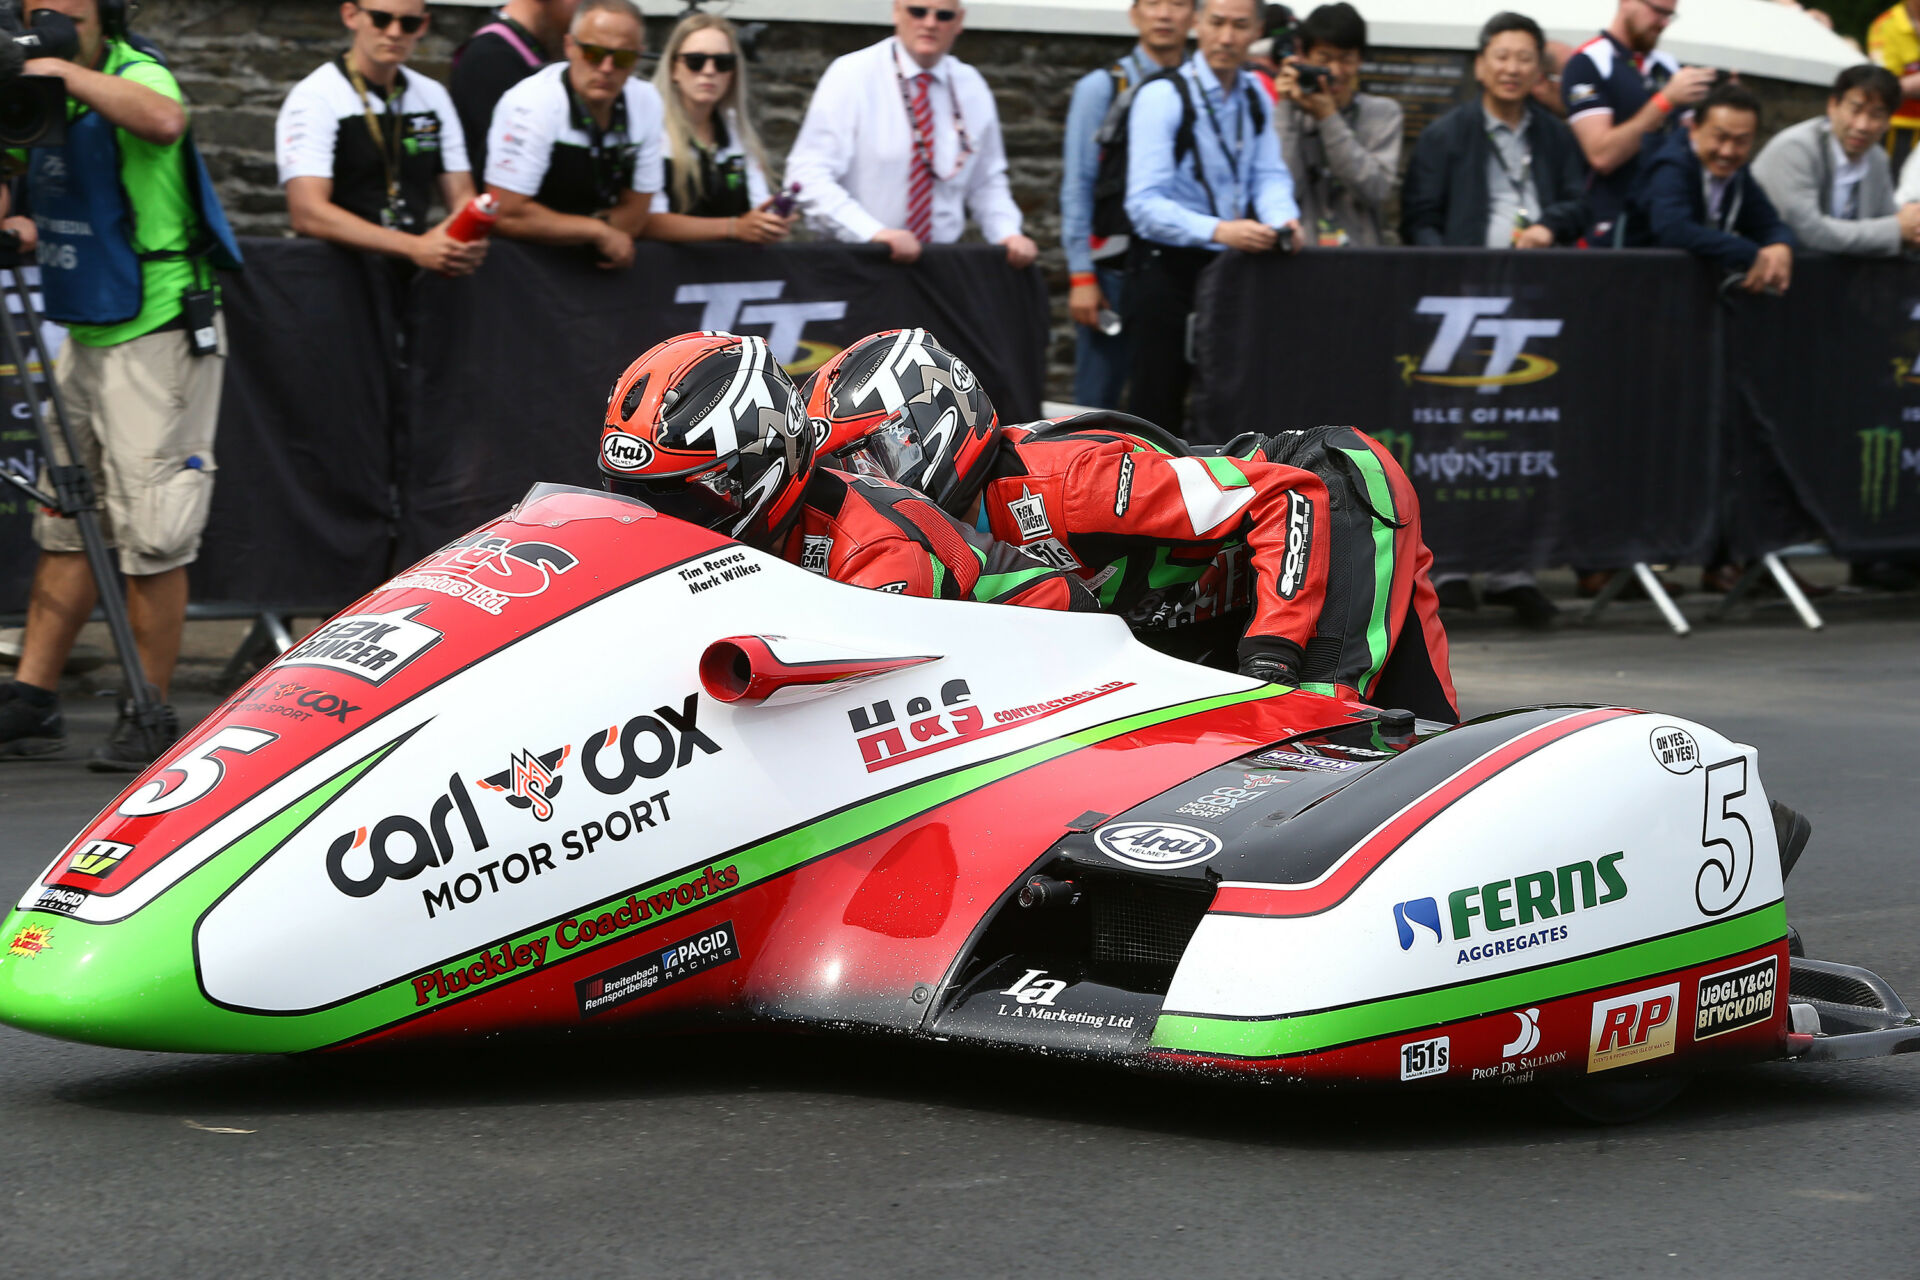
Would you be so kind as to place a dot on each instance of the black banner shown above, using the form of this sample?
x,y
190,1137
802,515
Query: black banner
x,y
511,367
303,505
20,456
1551,407
1827,381
369,414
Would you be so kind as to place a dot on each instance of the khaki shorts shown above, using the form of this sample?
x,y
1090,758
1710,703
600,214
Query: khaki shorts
x,y
142,412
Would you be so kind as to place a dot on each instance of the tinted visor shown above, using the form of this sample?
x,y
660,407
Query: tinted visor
x,y
894,447
710,501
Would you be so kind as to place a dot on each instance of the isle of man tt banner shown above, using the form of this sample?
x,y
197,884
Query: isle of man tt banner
x,y
1551,407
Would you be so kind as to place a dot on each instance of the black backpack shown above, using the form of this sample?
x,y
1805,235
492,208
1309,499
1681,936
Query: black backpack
x,y
1110,183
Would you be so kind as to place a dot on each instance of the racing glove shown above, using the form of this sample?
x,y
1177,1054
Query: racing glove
x,y
1275,661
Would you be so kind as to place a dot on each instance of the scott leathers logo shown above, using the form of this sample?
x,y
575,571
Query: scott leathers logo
x,y
1884,458
1507,362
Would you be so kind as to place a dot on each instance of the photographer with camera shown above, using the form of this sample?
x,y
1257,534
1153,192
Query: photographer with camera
x,y
127,230
1342,146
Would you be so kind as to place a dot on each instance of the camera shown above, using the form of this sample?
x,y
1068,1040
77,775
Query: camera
x,y
1279,25
33,109
1312,79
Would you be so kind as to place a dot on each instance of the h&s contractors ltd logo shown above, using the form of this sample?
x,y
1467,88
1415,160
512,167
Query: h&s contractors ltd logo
x,y
1507,361
748,304
1884,458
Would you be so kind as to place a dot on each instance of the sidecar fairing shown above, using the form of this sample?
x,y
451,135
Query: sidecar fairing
x,y
591,767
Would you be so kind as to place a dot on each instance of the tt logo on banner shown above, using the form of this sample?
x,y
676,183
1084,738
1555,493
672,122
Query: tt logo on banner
x,y
726,309
1508,363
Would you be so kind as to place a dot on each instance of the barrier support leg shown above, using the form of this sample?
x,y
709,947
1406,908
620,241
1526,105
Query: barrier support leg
x,y
1615,585
268,638
1791,590
1658,594
1643,573
1749,579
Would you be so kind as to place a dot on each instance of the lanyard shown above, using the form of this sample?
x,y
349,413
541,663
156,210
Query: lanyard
x,y
1239,129
387,145
1730,207
1526,168
965,152
606,184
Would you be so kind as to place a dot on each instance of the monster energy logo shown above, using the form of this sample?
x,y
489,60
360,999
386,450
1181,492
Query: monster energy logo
x,y
1400,445
1882,459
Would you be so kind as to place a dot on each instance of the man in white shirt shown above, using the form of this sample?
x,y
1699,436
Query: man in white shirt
x,y
902,141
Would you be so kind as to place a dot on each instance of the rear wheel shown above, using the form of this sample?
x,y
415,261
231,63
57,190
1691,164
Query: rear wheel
x,y
1609,1100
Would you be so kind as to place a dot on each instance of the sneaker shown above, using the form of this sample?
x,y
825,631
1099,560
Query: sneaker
x,y
30,724
1530,606
128,749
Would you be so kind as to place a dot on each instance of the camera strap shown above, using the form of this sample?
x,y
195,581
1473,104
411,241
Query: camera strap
x,y
386,142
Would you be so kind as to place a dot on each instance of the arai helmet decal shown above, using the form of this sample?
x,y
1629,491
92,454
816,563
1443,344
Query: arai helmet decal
x,y
1156,846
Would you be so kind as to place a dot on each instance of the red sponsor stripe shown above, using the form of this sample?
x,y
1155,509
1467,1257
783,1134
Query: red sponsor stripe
x,y
1361,861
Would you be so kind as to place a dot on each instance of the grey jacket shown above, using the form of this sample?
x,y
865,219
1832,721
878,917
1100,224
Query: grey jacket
x,y
1345,168
1796,172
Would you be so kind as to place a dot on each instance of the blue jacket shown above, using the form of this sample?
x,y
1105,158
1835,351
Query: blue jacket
x,y
1668,207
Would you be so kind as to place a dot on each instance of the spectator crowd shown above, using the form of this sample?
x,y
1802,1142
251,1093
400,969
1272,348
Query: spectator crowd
x,y
1229,125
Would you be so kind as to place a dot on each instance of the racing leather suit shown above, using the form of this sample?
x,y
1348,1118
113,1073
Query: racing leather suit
x,y
1136,522
1378,637
873,533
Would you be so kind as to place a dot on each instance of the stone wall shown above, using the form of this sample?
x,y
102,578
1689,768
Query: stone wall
x,y
237,59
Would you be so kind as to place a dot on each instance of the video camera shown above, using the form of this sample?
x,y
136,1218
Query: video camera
x,y
33,109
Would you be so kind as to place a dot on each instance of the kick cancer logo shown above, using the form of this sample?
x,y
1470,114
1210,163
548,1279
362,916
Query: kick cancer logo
x,y
1506,362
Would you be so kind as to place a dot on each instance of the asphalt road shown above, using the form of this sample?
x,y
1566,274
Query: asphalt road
x,y
750,1157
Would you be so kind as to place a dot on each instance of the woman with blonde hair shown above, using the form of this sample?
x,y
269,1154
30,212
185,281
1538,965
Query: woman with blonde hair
x,y
716,168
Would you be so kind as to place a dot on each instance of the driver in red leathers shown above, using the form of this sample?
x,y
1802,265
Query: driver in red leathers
x,y
1114,500
707,427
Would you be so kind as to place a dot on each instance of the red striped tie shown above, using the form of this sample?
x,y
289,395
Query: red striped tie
x,y
920,180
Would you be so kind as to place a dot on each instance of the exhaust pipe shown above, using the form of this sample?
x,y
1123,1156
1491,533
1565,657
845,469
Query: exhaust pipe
x,y
781,669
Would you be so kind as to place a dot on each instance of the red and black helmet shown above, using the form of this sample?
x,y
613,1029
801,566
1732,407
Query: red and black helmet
x,y
905,405
707,427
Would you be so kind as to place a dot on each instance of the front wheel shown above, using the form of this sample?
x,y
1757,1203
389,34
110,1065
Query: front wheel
x,y
1605,1100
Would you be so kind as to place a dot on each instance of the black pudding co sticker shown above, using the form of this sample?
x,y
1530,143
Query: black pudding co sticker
x,y
652,970
1736,998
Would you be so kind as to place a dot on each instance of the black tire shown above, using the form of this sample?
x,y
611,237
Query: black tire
x,y
1623,1100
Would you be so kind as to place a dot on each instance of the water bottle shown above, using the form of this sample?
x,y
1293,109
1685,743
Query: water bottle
x,y
475,221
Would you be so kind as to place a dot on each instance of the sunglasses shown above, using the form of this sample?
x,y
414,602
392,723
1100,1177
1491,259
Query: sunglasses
x,y
722,62
920,12
410,23
599,53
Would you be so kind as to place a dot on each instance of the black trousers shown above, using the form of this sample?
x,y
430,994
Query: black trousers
x,y
1159,300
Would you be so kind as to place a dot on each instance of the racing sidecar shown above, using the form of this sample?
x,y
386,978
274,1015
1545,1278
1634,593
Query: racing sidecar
x,y
590,766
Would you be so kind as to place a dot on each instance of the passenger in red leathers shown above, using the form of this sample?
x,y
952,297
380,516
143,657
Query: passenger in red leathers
x,y
708,428
1130,519
1339,596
